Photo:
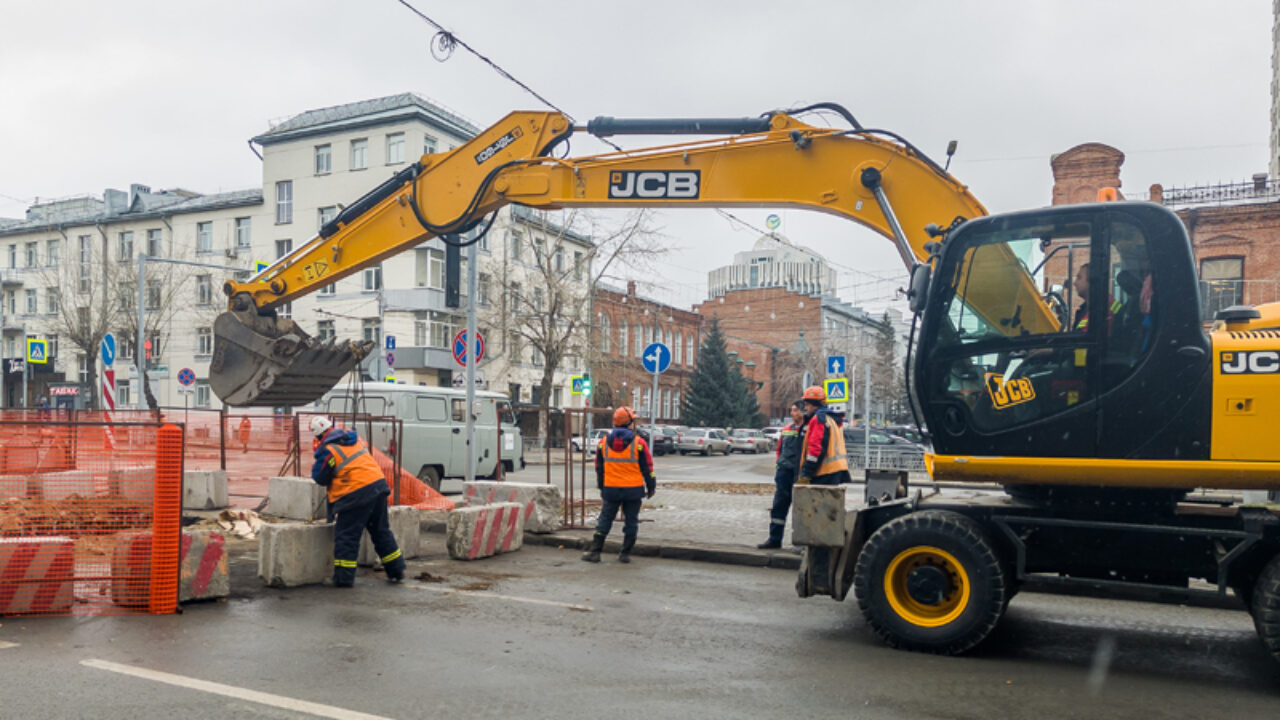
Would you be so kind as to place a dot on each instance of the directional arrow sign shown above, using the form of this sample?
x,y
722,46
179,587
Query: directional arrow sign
x,y
837,390
108,349
656,358
836,365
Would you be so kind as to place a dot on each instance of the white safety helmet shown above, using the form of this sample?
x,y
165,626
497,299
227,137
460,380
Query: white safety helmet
x,y
320,425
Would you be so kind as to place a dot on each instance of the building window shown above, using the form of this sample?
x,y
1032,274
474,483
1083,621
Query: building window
x,y
640,332
428,145
204,237
395,148
482,289
539,250
513,346
372,330
325,330
13,256
53,346
325,214
11,300
516,240
155,243
324,159
204,341
243,237
604,333
330,289
622,337
360,154
83,365
688,350
202,393
284,202
33,254
51,300
204,289
1221,285
54,248
675,404
153,294
558,260
442,331
283,247
537,299
435,269
677,352
420,331
126,246
577,266
122,393
86,259
556,393
32,309
373,278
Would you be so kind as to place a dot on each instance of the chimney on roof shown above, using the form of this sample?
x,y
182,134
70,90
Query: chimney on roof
x,y
631,288
135,190
115,200
1260,182
1157,194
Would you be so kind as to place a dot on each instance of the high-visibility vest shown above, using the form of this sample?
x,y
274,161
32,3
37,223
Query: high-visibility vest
x,y
834,458
622,467
1083,323
353,468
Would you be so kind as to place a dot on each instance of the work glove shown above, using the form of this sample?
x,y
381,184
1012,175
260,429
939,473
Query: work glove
x,y
649,494
804,480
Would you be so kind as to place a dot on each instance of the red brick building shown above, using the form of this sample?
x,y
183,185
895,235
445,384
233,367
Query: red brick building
x,y
625,324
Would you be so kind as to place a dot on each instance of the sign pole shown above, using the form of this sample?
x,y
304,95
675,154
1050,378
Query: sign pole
x,y
653,409
472,347
866,403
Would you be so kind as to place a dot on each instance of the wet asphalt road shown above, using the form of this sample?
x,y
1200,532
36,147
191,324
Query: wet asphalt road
x,y
539,634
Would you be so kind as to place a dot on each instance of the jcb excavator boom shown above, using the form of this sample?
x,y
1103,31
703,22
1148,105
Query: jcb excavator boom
x,y
871,177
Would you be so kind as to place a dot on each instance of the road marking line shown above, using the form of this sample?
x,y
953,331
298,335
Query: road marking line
x,y
496,596
4,644
261,698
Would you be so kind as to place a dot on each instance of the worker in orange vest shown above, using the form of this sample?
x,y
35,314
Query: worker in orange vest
x,y
624,474
358,497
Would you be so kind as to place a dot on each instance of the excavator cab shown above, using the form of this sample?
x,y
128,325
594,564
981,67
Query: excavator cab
x,y
1117,367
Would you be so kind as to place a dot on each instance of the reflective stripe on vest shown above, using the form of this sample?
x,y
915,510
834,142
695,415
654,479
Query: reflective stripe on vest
x,y
833,455
621,469
354,468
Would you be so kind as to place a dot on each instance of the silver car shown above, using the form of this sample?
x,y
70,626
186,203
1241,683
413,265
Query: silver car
x,y
752,441
703,440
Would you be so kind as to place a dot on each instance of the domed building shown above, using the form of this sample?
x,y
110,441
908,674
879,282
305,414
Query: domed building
x,y
774,262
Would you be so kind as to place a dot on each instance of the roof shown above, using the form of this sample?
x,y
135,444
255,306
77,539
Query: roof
x,y
538,218
379,111
97,212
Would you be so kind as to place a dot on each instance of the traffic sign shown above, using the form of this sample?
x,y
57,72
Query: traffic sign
x,y
836,365
460,347
656,358
186,376
259,266
391,358
391,379
108,349
37,351
837,389
390,342
575,385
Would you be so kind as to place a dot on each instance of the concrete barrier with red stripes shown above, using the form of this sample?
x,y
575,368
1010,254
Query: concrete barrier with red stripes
x,y
485,530
202,570
36,575
542,503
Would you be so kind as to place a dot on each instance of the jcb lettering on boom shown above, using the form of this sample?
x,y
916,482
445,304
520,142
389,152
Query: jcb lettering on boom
x,y
1251,362
673,184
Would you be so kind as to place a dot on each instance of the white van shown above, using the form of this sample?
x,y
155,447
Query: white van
x,y
435,428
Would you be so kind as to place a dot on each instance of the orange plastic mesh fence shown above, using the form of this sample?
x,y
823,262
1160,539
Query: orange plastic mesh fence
x,y
258,447
90,515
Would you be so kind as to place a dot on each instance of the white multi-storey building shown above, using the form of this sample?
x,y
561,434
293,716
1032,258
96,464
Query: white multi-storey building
x,y
774,262
69,267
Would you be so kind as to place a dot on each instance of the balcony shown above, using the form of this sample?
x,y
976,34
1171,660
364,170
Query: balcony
x,y
1259,190
413,299
10,277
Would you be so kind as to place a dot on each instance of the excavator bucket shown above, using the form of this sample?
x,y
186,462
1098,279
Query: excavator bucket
x,y
269,361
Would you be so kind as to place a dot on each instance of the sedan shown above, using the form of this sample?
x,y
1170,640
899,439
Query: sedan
x,y
703,440
752,441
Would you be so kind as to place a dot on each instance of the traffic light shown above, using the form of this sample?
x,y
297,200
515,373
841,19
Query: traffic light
x,y
586,385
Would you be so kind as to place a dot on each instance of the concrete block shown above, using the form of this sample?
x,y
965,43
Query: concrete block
x,y
59,485
136,483
36,575
202,568
19,458
293,554
405,526
131,569
817,515
204,490
484,530
13,486
297,498
543,504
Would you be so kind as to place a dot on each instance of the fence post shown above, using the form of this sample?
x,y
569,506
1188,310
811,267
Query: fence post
x,y
222,437
166,532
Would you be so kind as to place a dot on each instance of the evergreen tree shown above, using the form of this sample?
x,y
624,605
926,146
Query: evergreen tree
x,y
711,397
745,405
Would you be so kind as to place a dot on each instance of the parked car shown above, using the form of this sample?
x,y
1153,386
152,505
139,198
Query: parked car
x,y
774,434
589,445
752,441
858,436
663,441
703,440
908,432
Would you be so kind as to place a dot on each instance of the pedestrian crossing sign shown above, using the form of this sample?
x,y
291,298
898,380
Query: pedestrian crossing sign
x,y
37,351
575,385
837,389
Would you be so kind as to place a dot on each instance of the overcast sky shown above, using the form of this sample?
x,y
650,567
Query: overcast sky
x,y
100,95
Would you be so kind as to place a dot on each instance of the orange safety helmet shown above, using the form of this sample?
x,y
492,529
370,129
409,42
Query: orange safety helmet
x,y
623,415
816,394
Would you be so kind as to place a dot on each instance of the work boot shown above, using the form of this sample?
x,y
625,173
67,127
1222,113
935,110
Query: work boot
x,y
628,542
593,552
770,544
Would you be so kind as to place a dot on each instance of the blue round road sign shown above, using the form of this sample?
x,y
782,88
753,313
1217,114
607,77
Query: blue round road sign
x,y
186,376
108,349
656,358
460,347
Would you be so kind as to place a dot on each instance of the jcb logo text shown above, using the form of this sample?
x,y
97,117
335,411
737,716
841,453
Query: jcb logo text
x,y
1251,362
643,184
1005,394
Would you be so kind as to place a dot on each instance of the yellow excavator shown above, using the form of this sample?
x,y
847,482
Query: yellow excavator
x,y
1060,353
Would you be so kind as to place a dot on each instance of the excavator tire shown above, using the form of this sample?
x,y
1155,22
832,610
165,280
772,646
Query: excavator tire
x,y
931,581
1266,607
1126,502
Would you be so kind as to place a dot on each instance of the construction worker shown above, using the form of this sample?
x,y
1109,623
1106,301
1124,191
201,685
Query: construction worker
x,y
624,474
784,477
245,432
824,463
358,497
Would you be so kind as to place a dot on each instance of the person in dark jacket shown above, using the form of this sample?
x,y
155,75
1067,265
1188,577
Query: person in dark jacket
x,y
357,497
624,474
784,478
